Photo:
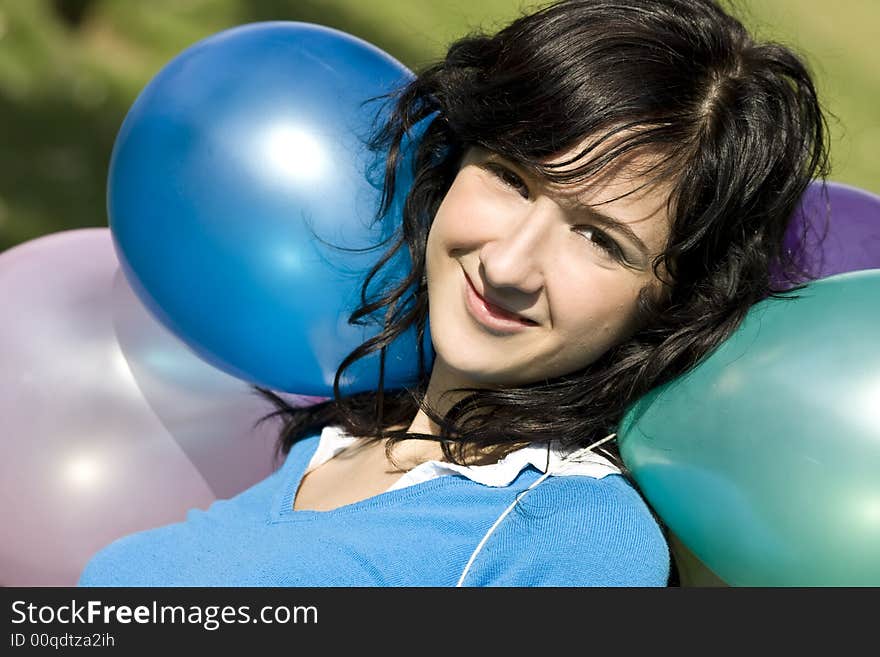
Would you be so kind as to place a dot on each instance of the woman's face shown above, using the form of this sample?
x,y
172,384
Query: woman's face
x,y
526,281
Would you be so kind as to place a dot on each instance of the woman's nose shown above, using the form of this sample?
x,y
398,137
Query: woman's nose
x,y
516,257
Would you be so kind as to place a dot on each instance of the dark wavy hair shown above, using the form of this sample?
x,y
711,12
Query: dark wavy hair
x,y
740,135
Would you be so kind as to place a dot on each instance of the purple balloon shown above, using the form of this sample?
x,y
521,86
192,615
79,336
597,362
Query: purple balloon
x,y
110,424
838,230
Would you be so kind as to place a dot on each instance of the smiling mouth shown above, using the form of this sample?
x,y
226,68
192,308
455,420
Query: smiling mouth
x,y
491,316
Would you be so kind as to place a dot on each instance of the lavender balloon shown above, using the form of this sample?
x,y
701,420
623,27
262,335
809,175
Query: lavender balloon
x,y
834,230
208,412
110,425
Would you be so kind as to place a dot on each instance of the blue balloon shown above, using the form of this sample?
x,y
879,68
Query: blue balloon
x,y
238,171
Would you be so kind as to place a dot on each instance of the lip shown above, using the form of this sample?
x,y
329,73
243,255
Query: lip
x,y
491,316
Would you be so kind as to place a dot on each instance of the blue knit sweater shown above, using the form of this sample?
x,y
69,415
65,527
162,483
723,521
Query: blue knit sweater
x,y
570,530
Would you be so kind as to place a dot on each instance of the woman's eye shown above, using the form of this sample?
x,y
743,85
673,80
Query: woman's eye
x,y
601,240
509,178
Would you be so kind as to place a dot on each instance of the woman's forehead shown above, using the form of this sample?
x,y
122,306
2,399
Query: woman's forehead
x,y
606,164
624,193
631,178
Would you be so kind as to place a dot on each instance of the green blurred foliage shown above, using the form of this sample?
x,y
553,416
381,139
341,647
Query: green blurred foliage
x,y
70,69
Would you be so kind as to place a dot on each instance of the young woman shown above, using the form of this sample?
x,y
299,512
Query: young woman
x,y
600,190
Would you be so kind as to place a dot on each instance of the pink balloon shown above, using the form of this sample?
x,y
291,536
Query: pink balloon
x,y
208,412
110,425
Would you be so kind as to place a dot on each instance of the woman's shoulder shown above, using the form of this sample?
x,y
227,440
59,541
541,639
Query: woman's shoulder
x,y
576,530
583,502
584,491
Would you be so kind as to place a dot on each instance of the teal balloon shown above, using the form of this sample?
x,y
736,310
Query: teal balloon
x,y
764,459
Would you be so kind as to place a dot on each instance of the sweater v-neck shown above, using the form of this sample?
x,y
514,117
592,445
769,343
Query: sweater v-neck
x,y
293,471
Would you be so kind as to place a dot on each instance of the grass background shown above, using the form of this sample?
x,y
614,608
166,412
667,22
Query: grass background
x,y
70,69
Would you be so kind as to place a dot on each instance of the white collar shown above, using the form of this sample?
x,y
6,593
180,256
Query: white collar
x,y
502,473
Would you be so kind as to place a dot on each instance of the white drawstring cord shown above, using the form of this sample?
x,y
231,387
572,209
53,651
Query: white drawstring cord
x,y
589,448
479,547
497,522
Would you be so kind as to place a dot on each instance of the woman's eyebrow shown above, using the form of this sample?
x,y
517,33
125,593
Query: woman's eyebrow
x,y
605,220
615,225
